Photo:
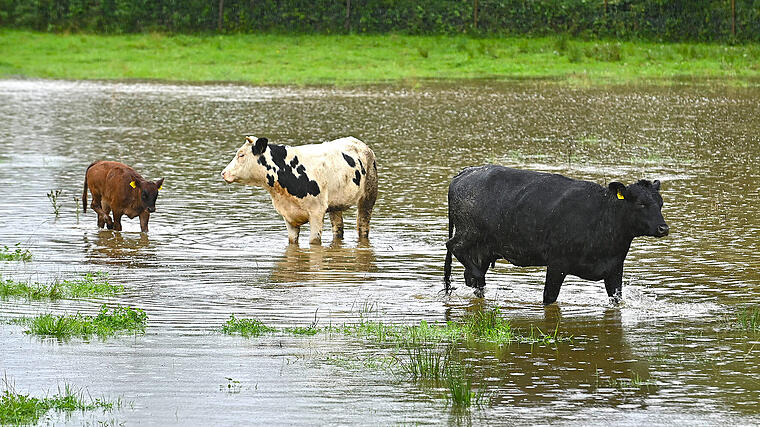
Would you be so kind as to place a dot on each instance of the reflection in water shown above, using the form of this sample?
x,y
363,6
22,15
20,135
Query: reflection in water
x,y
114,247
325,264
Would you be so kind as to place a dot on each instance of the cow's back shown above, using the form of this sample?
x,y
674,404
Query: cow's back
x,y
109,180
344,168
520,214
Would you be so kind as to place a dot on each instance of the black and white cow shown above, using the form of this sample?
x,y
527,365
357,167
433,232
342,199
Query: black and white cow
x,y
307,181
540,219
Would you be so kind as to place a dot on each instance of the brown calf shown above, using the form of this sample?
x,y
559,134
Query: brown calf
x,y
119,188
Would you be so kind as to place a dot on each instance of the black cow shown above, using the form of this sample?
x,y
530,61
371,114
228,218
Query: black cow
x,y
535,219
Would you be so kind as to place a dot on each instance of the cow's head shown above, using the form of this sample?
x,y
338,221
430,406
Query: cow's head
x,y
643,207
148,191
245,167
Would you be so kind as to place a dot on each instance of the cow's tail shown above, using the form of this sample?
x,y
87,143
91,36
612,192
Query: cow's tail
x,y
447,264
84,191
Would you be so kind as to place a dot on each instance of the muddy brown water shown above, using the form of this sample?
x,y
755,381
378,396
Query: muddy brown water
x,y
215,250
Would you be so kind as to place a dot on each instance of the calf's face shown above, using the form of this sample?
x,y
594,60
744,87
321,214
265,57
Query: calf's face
x,y
643,205
245,167
148,193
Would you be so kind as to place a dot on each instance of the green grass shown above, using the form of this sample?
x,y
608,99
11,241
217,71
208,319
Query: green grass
x,y
749,319
17,408
16,254
89,284
269,59
245,327
107,323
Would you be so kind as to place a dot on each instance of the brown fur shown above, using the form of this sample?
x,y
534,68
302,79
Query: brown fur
x,y
109,184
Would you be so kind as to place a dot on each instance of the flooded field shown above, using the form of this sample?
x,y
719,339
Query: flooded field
x,y
215,250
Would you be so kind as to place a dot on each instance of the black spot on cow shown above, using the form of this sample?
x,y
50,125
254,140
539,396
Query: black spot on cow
x,y
364,172
263,162
294,162
270,180
300,186
358,178
349,160
374,165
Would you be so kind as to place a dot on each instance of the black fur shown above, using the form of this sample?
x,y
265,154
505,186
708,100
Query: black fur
x,y
270,180
299,186
294,162
349,160
260,146
358,178
364,172
539,219
263,162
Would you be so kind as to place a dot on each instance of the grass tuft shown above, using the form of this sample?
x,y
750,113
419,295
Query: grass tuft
x,y
89,284
749,319
106,323
245,327
17,408
16,254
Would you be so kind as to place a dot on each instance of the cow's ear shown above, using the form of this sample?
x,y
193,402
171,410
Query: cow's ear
x,y
160,183
618,189
656,185
260,146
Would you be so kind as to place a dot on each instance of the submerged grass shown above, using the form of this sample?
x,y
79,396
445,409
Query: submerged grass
x,y
266,59
17,254
245,327
89,284
17,408
749,319
107,323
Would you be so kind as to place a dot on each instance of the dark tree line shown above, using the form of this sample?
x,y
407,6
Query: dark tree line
x,y
670,20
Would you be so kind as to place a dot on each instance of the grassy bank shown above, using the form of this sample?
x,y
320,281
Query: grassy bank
x,y
318,59
88,285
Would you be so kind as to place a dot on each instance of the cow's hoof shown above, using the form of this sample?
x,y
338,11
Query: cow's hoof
x,y
480,292
109,226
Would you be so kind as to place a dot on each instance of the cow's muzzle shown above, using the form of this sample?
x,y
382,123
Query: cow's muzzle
x,y
226,177
151,210
662,230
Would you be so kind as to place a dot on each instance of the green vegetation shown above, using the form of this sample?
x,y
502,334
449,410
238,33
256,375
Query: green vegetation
x,y
53,196
90,284
16,255
634,383
107,323
17,408
267,59
245,327
749,319
652,19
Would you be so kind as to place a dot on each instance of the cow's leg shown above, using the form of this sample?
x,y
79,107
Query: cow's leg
x,y
363,215
367,201
106,208
336,221
144,217
554,279
614,285
95,205
117,220
293,232
315,228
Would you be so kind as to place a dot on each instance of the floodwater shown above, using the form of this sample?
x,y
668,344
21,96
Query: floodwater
x,y
214,250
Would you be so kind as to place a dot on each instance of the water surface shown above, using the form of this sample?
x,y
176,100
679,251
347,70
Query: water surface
x,y
214,250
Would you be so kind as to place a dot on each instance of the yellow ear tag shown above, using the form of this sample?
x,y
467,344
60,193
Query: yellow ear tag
x,y
132,184
620,195
160,188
